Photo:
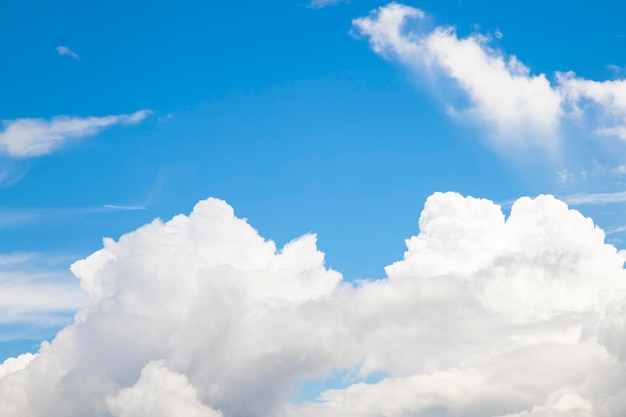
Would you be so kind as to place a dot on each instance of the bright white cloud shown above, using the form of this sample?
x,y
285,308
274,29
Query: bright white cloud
x,y
12,365
518,108
64,50
24,138
484,317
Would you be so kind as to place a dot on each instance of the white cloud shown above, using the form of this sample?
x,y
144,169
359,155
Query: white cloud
x,y
159,393
24,138
516,107
318,4
13,217
564,177
36,293
64,50
12,365
502,93
484,317
607,97
618,229
118,207
580,199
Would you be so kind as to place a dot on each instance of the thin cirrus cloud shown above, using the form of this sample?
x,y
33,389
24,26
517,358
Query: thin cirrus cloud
x,y
579,199
120,207
319,4
516,108
484,316
36,293
64,50
17,217
585,199
27,138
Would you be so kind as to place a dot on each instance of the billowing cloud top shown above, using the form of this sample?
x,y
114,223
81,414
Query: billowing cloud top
x,y
200,316
24,138
516,107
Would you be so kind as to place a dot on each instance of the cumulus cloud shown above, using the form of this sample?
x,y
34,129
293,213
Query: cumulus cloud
x,y
517,107
12,365
26,138
64,50
159,393
485,316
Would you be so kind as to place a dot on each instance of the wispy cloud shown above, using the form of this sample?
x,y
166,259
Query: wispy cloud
x,y
11,175
17,217
318,4
615,230
516,107
27,138
580,199
37,291
64,50
165,118
120,207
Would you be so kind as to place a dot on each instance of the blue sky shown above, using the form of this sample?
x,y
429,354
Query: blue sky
x,y
288,112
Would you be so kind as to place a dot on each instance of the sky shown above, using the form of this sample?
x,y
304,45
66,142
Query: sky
x,y
329,208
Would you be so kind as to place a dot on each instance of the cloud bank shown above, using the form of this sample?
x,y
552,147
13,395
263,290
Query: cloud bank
x,y
517,108
485,316
27,138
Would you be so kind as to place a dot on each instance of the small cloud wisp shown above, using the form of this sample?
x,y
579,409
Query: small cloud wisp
x,y
64,50
27,138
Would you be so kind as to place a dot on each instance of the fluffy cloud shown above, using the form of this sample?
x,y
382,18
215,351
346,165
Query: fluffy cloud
x,y
13,365
159,393
516,107
485,316
25,138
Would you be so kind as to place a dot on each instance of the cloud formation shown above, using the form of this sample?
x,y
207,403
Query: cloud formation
x,y
27,138
64,50
516,107
485,316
